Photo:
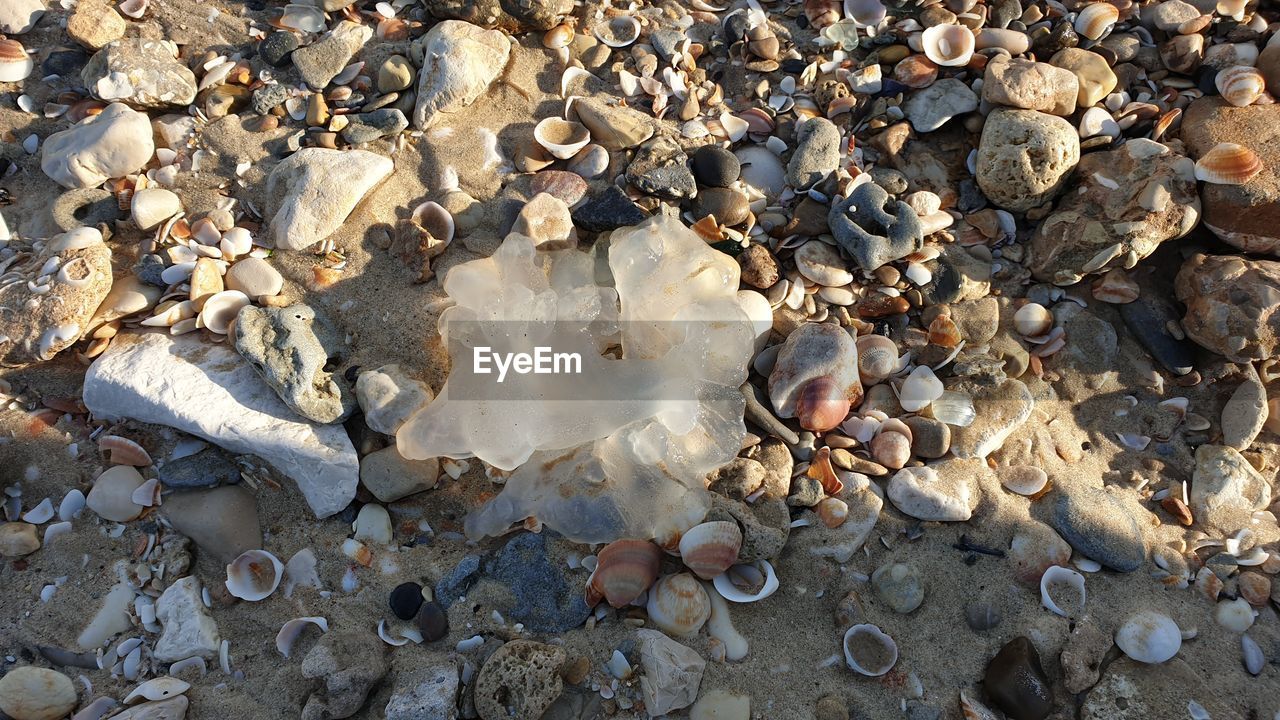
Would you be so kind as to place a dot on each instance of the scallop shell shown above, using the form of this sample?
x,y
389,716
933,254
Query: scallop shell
x,y
747,583
864,13
159,688
624,570
290,631
220,310
1032,320
1240,85
1149,637
1096,20
617,32
15,63
948,45
920,389
1228,164
562,138
1254,587
678,605
1062,591
869,651
877,358
1208,583
123,451
254,575
891,449
710,548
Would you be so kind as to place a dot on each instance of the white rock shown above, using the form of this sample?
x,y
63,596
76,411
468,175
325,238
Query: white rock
x,y
189,631
460,60
822,264
373,523
721,705
152,206
429,691
311,193
924,494
31,693
209,391
672,672
388,397
111,618
171,709
111,144
254,277
19,16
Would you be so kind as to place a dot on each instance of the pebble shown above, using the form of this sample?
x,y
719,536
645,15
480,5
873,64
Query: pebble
x,y
661,168
1083,655
112,493
143,73
613,127
345,666
608,209
1030,85
926,494
95,23
672,672
1001,409
930,439
759,267
714,166
568,187
390,477
460,60
1226,489
728,206
1016,682
817,153
429,690
981,615
721,705
590,163
395,74
822,264
831,707
31,693
899,586
1245,413
18,539
189,630
208,468
111,144
1227,299
1093,75
255,278
405,600
370,126
1170,14
277,47
1025,157
519,681
321,61
868,210
19,16
311,193
1098,526
222,521
282,345
931,108
432,621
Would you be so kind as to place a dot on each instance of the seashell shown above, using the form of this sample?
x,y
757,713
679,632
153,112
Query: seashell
x,y
891,449
1116,287
710,548
157,689
624,570
948,45
821,404
306,18
821,469
747,583
15,63
562,138
147,494
821,13
220,310
386,637
734,127
678,605
152,206
1149,637
357,551
1096,20
920,389
864,13
1024,480
916,71
1252,655
1240,85
134,8
1254,587
1062,591
1208,583
1236,615
877,358
869,651
943,332
290,631
762,42
758,120
617,32
123,451
254,575
973,709
832,511
1228,164
558,37
1032,320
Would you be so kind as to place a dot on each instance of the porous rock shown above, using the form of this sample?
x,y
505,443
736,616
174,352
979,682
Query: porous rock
x,y
189,630
519,681
1029,85
322,60
282,346
1229,301
347,665
857,220
1025,157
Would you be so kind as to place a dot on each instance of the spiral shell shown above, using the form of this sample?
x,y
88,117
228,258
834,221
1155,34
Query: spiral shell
x,y
948,45
1241,85
1228,164
15,63
710,548
624,570
254,575
877,358
562,138
678,605
1096,20
869,651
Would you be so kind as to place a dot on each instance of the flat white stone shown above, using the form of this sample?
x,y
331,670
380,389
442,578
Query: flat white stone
x,y
111,144
311,192
460,60
209,391
924,494
189,630
19,16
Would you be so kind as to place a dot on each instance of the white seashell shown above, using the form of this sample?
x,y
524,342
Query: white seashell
x,y
147,494
220,310
729,590
954,408
235,242
948,45
15,63
1062,591
306,18
72,503
1032,320
254,575
386,637
134,8
1149,637
678,605
1253,659
1096,20
224,656
432,218
562,138
157,689
734,127
184,665
132,665
864,13
40,514
1235,614
1240,85
56,529
919,390
869,651
617,32
1022,479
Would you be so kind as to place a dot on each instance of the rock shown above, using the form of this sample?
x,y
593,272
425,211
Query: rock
x,y
189,630
661,168
1025,158
1098,526
1001,409
84,207
111,618
1170,14
395,74
222,521
1017,684
142,73
728,206
957,275
547,221
930,439
1229,299
278,47
841,543
608,209
206,390
821,263
18,539
899,586
721,705
1083,654
429,691
737,479
930,108
927,494
31,693
514,17
715,166
95,24
174,708
868,210
112,493
1149,318
1246,411
613,127
519,681
759,267
321,61
282,346
765,525
347,664
460,60
311,193
672,672
977,320
1093,76
370,126
254,277
1226,489
981,616
1127,202
207,468
1129,690
57,290
19,16
775,458
817,153
831,707
388,396
1246,216
114,143
390,477
536,590
1030,85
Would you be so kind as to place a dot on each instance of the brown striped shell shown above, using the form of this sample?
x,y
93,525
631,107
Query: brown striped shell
x,y
710,548
624,570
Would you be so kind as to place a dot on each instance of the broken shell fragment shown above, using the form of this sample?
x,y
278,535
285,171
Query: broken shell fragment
x,y
1149,637
624,570
159,688
617,32
948,45
710,548
920,389
747,583
562,138
869,651
1228,164
123,451
290,631
1062,591
678,605
254,575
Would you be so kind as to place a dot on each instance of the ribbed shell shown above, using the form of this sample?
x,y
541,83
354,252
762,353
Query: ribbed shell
x,y
711,548
678,605
624,570
1096,20
1241,85
1228,164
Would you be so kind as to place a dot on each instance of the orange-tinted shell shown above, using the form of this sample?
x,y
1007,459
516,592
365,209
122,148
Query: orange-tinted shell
x,y
624,570
123,451
710,548
821,404
678,605
821,469
1228,164
1240,85
1254,588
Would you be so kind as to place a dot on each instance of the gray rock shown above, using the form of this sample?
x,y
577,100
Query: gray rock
x,y
207,468
930,108
111,144
514,17
608,209
1098,526
222,521
276,47
429,691
459,61
175,708
348,665
84,207
1226,489
661,168
311,193
321,61
856,220
541,593
142,73
930,439
715,166
367,127
1001,409
388,397
1246,411
270,96
189,630
282,346
817,153
390,477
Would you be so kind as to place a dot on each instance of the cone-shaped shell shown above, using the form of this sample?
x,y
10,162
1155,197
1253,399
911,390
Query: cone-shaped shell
x,y
1240,85
948,45
678,605
1096,20
562,138
1228,164
254,575
624,570
710,548
869,651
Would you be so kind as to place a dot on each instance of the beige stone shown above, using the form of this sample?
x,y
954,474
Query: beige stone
x,y
1030,85
1095,78
94,24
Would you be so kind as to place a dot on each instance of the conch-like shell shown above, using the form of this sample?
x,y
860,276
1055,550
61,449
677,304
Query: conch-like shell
x,y
15,63
948,45
711,548
624,570
1228,164
562,138
1062,591
747,583
1149,637
1241,85
877,358
254,575
617,32
678,605
1096,20
869,651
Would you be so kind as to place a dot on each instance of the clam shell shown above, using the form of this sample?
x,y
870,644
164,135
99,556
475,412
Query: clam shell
x,y
558,37
1096,20
562,138
159,688
1237,614
678,605
1062,591
869,651
877,358
220,310
134,8
710,548
1228,164
1032,320
729,583
624,570
1252,655
864,13
617,32
290,631
254,575
920,389
1149,637
832,511
15,63
948,45
821,13
1240,85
